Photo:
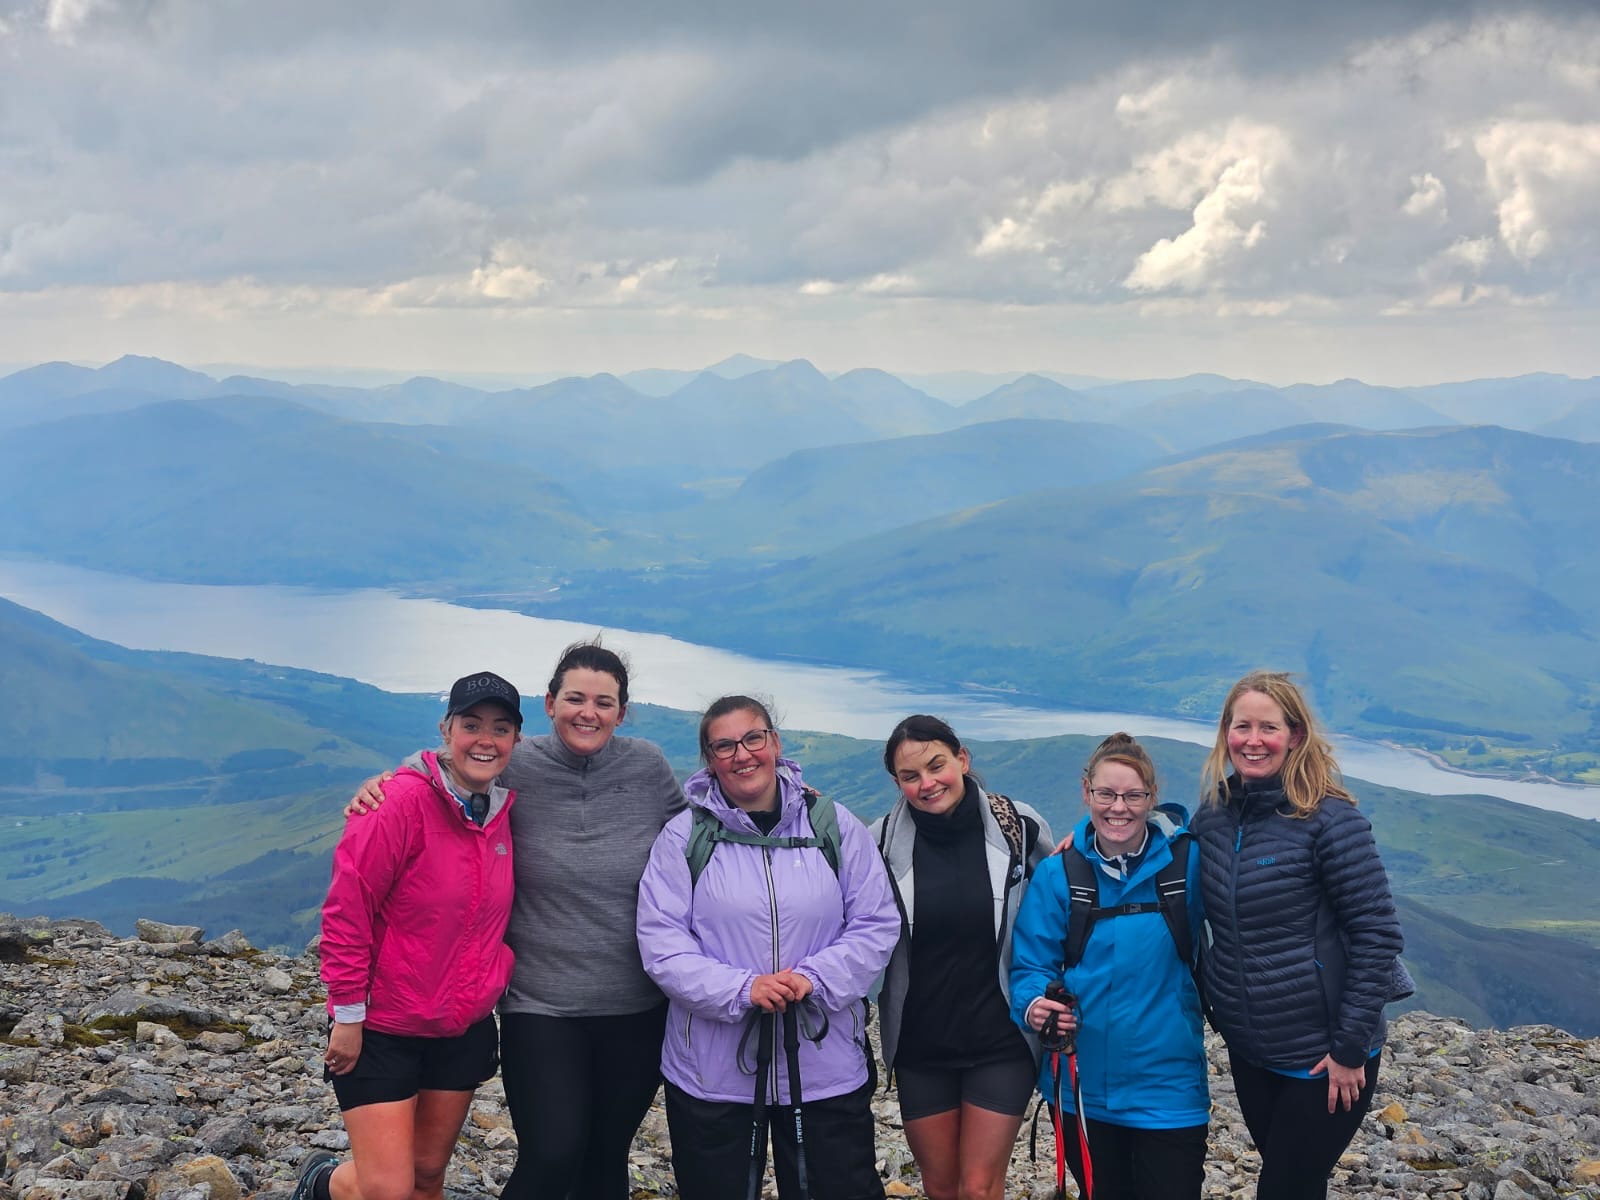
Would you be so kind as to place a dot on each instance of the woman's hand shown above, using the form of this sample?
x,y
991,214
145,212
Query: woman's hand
x,y
1039,1012
344,1047
1064,844
1344,1083
775,992
369,796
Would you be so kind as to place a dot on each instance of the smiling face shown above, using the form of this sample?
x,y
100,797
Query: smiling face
x,y
748,779
1118,825
1259,736
478,744
932,777
586,711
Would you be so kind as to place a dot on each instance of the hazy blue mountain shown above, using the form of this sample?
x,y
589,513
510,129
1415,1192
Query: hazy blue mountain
x,y
961,387
1526,402
1133,392
1351,402
815,499
54,390
1438,583
891,407
250,489
1035,397
1581,422
1189,420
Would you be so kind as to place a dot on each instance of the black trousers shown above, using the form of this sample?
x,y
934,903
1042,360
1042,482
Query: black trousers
x,y
711,1143
577,1088
1137,1164
1288,1119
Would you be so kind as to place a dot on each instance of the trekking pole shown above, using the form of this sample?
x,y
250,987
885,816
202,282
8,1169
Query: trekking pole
x,y
1065,1041
758,1118
791,1052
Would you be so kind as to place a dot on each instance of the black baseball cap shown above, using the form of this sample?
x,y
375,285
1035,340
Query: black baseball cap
x,y
484,686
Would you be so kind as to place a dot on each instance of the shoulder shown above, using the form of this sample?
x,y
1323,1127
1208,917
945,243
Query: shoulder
x,y
676,831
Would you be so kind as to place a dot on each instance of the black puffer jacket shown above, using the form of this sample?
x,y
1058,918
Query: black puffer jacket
x,y
1282,996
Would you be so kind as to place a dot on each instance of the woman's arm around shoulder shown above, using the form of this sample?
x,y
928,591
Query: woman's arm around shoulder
x,y
1044,844
672,955
845,971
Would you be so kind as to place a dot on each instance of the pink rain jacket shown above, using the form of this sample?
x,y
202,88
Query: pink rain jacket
x,y
416,915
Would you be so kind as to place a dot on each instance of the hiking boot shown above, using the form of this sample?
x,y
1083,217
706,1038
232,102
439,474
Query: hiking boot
x,y
317,1165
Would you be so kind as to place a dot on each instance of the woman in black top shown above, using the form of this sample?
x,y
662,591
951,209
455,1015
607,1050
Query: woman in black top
x,y
959,859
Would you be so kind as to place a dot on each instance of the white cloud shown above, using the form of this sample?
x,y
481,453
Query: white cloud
x,y
1427,196
1226,222
1546,176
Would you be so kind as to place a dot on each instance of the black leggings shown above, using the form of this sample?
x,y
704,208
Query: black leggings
x,y
1288,1118
577,1088
1137,1164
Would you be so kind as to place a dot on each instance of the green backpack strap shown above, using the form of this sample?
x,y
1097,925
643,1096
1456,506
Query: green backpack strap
x,y
705,831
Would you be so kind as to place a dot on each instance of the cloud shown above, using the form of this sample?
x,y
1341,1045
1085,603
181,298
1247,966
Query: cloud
x,y
1545,176
1427,197
1244,161
1225,224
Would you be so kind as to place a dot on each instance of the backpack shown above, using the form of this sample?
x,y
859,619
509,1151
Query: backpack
x,y
705,831
1084,909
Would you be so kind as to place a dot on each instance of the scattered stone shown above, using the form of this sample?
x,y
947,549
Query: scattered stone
x,y
161,934
202,1080
276,981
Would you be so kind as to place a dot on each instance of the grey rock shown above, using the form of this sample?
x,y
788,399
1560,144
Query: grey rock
x,y
160,933
229,944
230,1137
18,1066
278,981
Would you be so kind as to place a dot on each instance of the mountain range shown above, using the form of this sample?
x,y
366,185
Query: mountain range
x,y
1131,545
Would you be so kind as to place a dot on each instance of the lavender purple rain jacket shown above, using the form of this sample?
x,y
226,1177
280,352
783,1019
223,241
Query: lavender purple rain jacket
x,y
754,911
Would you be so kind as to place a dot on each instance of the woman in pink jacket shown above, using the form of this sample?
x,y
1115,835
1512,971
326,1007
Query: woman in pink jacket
x,y
414,957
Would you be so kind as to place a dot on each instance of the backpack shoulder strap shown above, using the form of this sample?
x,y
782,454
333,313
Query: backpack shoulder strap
x,y
1083,902
1172,893
703,827
824,825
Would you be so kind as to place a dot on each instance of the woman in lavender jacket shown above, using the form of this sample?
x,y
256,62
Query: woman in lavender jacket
x,y
762,929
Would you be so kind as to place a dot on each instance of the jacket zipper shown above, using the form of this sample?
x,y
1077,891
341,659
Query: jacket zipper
x,y
1238,938
772,909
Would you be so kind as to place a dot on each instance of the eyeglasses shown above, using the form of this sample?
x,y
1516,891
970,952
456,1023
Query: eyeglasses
x,y
755,741
1105,797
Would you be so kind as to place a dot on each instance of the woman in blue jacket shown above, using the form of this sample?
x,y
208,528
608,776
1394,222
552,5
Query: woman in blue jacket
x,y
1304,934
1140,1047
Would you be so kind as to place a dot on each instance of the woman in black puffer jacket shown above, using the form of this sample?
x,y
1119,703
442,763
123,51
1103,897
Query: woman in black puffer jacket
x,y
1304,934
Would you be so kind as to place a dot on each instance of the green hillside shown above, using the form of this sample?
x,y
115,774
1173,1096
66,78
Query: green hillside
x,y
257,490
224,808
1436,588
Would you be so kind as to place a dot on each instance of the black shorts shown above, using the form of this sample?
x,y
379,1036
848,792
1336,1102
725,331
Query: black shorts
x,y
1002,1086
392,1067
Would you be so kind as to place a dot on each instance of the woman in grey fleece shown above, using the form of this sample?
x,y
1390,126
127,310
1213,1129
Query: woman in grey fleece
x,y
581,1023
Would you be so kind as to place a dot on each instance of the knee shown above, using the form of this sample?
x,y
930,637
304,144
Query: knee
x,y
981,1188
428,1178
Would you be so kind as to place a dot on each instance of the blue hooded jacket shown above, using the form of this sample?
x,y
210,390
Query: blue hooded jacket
x,y
1141,1049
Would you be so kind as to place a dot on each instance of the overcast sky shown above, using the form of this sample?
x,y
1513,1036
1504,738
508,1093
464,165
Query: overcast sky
x,y
1405,192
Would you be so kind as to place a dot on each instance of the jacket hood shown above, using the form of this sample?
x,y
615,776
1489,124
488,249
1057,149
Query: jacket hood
x,y
702,791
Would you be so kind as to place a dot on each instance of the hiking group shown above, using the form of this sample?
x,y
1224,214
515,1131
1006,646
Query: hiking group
x,y
723,939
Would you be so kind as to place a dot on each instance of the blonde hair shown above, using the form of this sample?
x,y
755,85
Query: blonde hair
x,y
1121,748
1310,772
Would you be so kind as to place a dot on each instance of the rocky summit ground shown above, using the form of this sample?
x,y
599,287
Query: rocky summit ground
x,y
169,1067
